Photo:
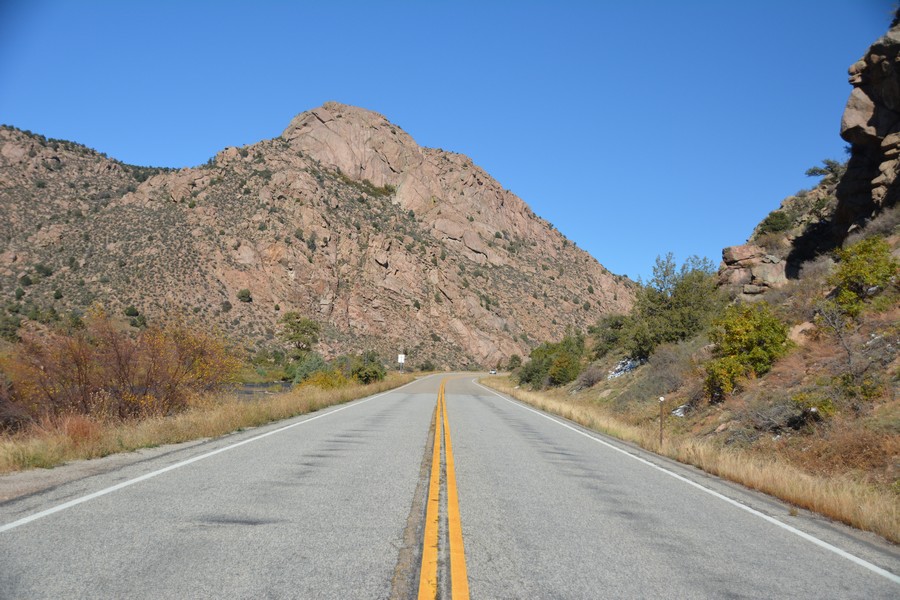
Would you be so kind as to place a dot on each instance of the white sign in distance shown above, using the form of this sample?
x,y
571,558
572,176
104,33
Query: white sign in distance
x,y
401,358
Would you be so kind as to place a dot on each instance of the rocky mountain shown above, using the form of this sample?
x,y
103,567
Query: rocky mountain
x,y
343,218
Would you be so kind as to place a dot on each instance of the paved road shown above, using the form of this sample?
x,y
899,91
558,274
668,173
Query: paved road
x,y
330,506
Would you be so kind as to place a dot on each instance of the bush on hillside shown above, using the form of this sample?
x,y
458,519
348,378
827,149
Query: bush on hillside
x,y
554,363
367,368
864,269
775,222
749,338
305,365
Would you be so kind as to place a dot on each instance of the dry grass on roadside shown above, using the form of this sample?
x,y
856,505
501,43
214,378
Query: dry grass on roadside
x,y
51,443
841,498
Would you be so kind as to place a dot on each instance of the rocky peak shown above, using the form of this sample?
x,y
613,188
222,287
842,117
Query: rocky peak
x,y
343,218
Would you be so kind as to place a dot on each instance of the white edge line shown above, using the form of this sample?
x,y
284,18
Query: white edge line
x,y
130,482
821,543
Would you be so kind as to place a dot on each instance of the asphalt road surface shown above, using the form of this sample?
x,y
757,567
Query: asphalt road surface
x,y
330,505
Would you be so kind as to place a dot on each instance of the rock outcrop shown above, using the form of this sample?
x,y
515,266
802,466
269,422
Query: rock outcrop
x,y
750,270
871,123
343,218
816,221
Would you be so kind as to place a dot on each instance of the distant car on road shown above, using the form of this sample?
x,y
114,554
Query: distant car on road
x,y
493,371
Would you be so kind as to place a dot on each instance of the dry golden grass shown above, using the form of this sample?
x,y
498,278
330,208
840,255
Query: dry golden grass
x,y
838,497
51,443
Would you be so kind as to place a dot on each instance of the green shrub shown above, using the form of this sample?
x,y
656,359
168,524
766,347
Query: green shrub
x,y
565,368
305,365
367,368
25,280
775,222
131,311
244,295
9,327
749,338
554,363
864,269
823,405
20,293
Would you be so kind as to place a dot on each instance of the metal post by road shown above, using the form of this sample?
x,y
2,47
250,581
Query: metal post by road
x,y
662,401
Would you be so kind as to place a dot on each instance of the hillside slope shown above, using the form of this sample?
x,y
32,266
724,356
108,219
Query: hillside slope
x,y
343,218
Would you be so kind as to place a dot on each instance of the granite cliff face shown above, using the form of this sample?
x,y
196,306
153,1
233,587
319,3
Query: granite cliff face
x,y
871,123
343,218
816,221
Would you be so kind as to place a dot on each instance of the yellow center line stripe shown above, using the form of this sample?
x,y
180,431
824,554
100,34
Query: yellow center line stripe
x,y
428,574
459,581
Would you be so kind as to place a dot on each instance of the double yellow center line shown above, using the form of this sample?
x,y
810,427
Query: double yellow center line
x,y
428,580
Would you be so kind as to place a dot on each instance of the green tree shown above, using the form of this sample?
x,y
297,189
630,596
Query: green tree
x,y
831,170
300,332
515,361
676,304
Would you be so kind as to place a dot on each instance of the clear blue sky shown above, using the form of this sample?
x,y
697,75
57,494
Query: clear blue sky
x,y
635,127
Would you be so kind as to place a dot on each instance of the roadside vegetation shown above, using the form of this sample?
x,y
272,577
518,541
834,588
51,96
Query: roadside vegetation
x,y
91,387
794,394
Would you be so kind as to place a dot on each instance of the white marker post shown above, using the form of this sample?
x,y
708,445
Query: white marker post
x,y
661,402
401,358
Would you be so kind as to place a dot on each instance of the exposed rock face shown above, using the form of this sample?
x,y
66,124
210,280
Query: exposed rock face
x,y
750,270
816,221
871,123
343,218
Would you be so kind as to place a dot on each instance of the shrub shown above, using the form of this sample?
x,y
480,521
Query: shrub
x,y
57,294
43,270
367,368
564,369
327,379
20,293
749,338
25,280
515,361
775,222
9,327
554,363
590,377
305,365
244,295
864,269
104,372
226,306
131,311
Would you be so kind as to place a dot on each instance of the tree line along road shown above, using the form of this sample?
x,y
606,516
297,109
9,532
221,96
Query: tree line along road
x,y
335,504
